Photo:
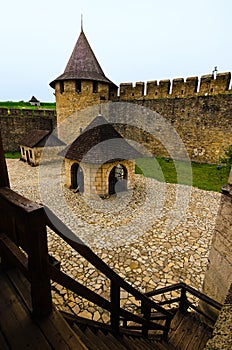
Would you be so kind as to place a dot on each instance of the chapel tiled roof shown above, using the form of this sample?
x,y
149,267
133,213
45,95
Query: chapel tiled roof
x,y
82,64
33,99
38,138
100,143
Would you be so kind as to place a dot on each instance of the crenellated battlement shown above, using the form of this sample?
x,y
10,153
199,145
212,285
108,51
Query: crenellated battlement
x,y
192,86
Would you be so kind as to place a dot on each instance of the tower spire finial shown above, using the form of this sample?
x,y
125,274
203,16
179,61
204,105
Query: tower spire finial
x,y
81,22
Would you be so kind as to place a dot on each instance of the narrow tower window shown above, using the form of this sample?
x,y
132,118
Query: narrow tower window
x,y
95,87
78,86
61,87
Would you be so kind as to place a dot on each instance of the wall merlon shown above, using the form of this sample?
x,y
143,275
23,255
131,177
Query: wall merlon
x,y
191,86
130,92
209,85
164,87
152,88
178,87
224,80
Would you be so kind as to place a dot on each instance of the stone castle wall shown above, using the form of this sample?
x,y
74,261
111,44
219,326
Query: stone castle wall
x,y
198,108
16,123
204,124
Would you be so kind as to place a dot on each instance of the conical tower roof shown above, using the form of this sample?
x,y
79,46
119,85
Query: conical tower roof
x,y
82,64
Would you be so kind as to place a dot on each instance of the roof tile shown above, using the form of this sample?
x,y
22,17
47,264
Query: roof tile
x,y
100,143
82,64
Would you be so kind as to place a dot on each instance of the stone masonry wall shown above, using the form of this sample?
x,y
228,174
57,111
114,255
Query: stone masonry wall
x,y
199,110
222,333
204,124
96,176
16,123
69,100
218,277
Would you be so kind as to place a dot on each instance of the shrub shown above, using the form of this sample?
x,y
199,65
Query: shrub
x,y
228,156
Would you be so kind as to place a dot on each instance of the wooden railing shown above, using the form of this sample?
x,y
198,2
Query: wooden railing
x,y
4,178
117,284
23,224
23,243
183,301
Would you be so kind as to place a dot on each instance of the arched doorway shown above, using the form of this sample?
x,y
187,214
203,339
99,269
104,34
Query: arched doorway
x,y
77,178
118,179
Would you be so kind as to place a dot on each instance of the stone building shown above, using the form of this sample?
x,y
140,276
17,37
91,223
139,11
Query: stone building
x,y
100,161
34,102
32,145
198,109
83,82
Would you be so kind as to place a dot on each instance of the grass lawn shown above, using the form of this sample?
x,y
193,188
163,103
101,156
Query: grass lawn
x,y
13,155
208,177
22,104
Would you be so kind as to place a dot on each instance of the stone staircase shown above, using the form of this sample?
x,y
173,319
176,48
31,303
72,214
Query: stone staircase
x,y
187,332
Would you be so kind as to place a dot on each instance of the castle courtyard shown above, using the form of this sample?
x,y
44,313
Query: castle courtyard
x,y
146,246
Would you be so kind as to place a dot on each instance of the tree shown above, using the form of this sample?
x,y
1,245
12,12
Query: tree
x,y
228,156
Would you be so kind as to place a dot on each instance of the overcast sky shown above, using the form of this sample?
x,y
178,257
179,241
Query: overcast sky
x,y
133,40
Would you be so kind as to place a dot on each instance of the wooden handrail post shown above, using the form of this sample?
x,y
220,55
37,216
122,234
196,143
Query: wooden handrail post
x,y
115,302
146,311
38,264
184,304
4,178
167,328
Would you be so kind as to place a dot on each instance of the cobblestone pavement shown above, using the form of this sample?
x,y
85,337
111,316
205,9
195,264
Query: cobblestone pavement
x,y
157,235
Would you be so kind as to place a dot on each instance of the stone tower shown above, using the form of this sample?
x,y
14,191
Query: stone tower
x,y
83,82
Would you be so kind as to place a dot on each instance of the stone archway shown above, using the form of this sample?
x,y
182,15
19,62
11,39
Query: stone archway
x,y
77,178
118,179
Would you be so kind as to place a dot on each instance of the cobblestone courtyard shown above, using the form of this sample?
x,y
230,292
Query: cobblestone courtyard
x,y
158,235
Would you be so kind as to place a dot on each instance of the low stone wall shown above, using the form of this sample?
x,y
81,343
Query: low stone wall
x,y
15,127
218,277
